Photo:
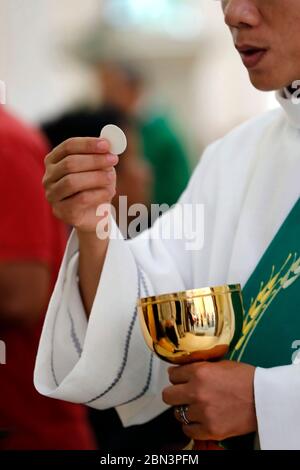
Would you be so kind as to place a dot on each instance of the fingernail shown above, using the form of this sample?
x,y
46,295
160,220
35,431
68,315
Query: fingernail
x,y
112,159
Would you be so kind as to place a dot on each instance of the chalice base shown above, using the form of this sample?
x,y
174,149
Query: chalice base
x,y
203,445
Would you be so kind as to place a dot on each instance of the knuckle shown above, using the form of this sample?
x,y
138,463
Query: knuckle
x,y
201,372
165,396
82,198
107,193
114,175
68,146
69,182
112,191
47,178
94,161
97,161
47,158
192,395
107,178
89,146
48,194
69,165
200,396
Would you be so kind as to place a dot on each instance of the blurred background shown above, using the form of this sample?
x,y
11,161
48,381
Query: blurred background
x,y
193,73
163,70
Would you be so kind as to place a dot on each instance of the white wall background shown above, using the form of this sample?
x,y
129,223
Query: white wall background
x,y
39,81
207,88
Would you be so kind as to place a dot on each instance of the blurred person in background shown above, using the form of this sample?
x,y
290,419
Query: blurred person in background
x,y
123,84
32,242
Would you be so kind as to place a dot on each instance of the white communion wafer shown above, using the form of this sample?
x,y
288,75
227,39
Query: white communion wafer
x,y
115,137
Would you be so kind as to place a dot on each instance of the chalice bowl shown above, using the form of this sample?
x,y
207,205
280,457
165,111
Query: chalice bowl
x,y
194,325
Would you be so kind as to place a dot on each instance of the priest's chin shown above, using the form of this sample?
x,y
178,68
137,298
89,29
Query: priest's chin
x,y
269,79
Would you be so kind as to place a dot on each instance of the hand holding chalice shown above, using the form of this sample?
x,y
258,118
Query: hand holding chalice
x,y
194,325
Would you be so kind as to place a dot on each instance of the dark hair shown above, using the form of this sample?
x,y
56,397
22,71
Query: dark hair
x,y
85,123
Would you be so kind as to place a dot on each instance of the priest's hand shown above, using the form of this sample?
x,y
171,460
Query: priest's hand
x,y
79,177
219,398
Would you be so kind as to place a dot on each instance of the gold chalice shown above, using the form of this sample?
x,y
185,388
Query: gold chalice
x,y
194,325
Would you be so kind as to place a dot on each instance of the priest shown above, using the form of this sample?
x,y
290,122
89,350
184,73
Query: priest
x,y
92,350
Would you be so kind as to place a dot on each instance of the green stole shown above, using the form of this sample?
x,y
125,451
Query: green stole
x,y
272,307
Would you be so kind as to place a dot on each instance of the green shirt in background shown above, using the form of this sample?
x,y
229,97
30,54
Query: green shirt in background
x,y
166,154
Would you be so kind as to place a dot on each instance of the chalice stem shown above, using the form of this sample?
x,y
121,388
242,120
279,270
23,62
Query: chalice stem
x,y
206,445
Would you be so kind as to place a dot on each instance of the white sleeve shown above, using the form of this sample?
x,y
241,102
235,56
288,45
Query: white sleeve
x,y
277,401
105,363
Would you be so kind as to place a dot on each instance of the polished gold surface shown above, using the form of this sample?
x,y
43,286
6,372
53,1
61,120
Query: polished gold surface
x,y
194,325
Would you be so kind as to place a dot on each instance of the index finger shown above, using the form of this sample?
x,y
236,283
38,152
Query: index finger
x,y
177,395
182,374
78,145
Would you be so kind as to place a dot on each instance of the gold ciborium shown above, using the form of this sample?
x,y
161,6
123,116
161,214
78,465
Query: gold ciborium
x,y
194,325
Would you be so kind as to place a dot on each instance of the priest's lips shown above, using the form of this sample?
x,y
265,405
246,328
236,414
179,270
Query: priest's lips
x,y
251,55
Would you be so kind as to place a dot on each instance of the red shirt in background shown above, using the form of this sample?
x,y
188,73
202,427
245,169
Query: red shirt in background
x,y
29,232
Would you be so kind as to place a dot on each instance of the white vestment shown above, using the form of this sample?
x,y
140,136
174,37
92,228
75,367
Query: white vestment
x,y
248,182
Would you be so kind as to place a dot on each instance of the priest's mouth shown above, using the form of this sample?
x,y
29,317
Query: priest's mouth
x,y
251,56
